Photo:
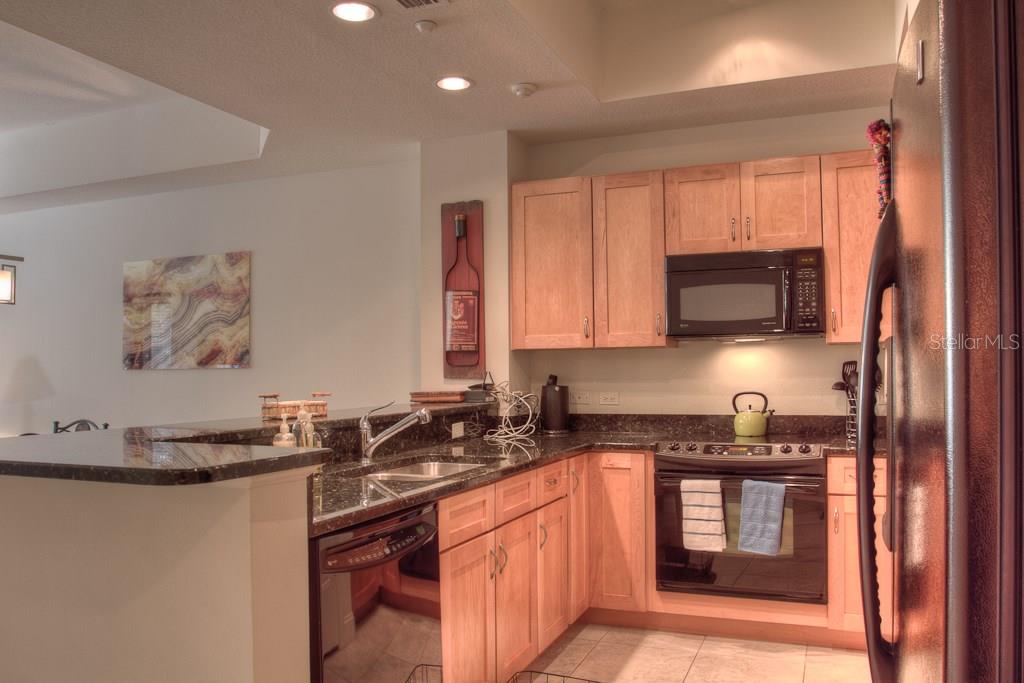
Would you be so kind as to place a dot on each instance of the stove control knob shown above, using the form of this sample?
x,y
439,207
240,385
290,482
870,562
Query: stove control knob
x,y
804,448
691,446
785,448
673,446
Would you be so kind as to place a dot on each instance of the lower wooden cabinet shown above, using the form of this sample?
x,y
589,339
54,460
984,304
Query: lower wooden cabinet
x,y
468,574
579,546
515,595
553,569
618,531
845,608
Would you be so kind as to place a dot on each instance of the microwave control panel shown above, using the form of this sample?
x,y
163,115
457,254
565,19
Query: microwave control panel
x,y
808,315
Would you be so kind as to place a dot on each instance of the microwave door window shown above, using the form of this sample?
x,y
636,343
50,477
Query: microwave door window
x,y
728,302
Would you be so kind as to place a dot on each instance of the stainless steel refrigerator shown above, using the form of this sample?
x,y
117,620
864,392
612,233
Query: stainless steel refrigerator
x,y
949,246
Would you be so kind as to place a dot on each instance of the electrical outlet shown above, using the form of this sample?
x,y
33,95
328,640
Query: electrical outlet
x,y
458,430
609,398
580,398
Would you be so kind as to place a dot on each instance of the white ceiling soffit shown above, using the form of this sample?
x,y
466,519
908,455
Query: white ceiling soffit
x,y
624,49
69,120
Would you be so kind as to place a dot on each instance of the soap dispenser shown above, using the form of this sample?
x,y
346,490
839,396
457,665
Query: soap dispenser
x,y
284,437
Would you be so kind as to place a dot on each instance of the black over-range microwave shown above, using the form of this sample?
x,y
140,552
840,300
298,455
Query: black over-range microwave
x,y
746,293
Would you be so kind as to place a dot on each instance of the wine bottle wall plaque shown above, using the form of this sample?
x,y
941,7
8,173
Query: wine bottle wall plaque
x,y
462,259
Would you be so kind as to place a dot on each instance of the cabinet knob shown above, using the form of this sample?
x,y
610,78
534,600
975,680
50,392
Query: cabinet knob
x,y
834,327
494,570
544,530
575,480
732,229
748,227
586,327
657,324
835,521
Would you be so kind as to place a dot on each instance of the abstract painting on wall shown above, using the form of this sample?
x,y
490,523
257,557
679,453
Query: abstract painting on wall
x,y
188,312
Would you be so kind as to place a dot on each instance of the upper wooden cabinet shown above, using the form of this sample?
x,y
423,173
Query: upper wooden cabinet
x,y
766,204
629,260
849,225
702,209
551,281
781,201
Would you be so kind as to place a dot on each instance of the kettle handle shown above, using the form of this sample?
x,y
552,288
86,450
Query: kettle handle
x,y
750,393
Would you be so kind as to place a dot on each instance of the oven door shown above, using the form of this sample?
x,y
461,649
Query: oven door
x,y
728,302
798,573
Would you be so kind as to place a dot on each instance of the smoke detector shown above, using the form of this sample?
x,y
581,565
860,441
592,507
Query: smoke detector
x,y
523,89
425,25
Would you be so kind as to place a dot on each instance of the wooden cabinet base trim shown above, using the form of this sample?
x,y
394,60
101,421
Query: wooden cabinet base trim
x,y
727,628
739,609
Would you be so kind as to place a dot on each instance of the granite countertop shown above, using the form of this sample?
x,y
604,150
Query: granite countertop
x,y
187,453
342,498
132,456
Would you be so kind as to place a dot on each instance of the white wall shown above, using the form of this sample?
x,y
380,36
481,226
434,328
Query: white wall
x,y
462,169
334,287
700,377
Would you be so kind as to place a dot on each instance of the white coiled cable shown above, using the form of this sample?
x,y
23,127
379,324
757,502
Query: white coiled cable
x,y
508,433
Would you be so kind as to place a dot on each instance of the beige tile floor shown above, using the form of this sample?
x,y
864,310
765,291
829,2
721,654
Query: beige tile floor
x,y
618,655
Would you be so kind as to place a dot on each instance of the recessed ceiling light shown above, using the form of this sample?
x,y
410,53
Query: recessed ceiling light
x,y
354,11
454,83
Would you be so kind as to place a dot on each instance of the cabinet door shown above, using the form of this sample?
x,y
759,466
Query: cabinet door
x,y
629,260
781,201
579,548
551,295
702,209
515,596
849,224
552,572
617,528
845,608
467,578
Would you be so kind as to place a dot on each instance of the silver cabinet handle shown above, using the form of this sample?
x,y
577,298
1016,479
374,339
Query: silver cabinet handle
x,y
833,321
575,480
748,227
544,540
732,229
657,324
496,563
835,521
586,327
501,567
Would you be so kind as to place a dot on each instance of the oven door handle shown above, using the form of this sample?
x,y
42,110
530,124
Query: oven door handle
x,y
675,480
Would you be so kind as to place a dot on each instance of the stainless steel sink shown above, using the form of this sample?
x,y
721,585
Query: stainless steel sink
x,y
423,471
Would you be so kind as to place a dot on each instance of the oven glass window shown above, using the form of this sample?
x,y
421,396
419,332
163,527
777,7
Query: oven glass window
x,y
798,572
728,301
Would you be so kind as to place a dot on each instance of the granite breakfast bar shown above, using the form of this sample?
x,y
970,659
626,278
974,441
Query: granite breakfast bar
x,y
128,558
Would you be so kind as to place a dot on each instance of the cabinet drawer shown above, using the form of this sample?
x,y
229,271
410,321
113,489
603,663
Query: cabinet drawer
x,y
552,482
842,476
514,497
465,516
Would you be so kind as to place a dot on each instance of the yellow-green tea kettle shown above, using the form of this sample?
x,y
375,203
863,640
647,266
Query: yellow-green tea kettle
x,y
751,422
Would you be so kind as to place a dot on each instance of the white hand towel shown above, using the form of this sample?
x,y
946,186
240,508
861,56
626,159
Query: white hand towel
x,y
703,521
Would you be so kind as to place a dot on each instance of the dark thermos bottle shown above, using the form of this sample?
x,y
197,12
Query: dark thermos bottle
x,y
554,407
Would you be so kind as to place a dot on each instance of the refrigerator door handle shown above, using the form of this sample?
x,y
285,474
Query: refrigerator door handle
x,y
881,275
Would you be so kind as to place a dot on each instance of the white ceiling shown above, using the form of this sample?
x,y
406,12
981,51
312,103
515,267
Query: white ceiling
x,y
335,94
44,83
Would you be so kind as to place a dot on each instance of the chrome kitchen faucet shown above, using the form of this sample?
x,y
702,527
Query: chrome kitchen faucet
x,y
369,442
